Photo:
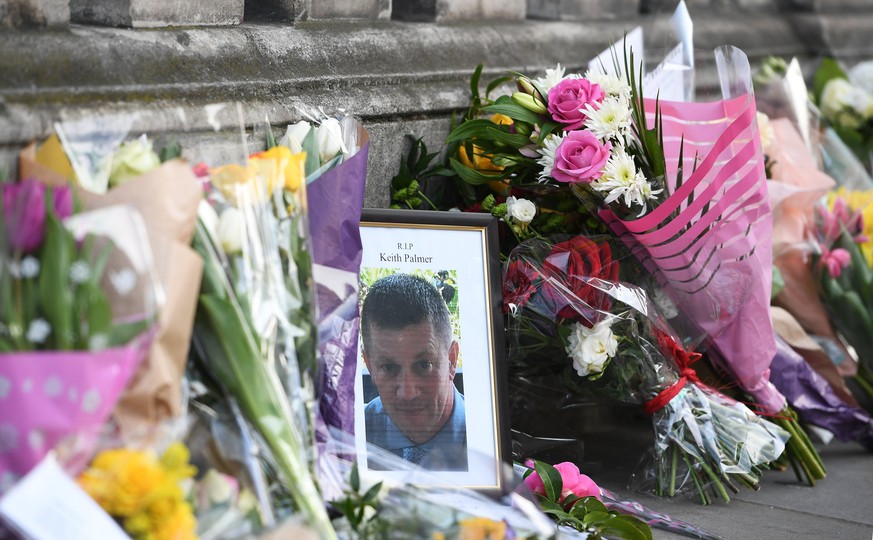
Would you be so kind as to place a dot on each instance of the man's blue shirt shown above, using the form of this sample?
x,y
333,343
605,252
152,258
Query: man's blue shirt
x,y
445,451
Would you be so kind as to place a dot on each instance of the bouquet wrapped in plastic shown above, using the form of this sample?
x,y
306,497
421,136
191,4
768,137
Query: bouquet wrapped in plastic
x,y
253,330
576,322
78,302
336,172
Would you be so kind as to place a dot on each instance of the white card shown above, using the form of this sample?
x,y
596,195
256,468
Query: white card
x,y
47,504
633,41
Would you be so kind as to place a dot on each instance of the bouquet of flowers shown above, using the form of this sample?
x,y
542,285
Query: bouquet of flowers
x,y
846,281
78,302
577,323
255,317
335,171
846,102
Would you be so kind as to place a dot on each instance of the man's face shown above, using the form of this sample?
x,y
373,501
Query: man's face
x,y
413,370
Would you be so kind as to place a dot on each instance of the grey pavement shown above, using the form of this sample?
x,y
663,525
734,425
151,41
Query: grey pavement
x,y
838,507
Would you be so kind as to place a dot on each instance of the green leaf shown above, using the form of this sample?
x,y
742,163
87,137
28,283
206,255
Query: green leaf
x,y
56,295
504,105
501,136
828,70
470,130
552,480
594,519
355,479
172,150
95,309
271,139
310,146
472,176
373,493
627,527
474,81
495,83
593,505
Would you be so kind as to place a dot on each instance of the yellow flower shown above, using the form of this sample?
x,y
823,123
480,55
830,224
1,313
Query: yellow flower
x,y
482,529
280,168
276,168
175,462
863,201
120,480
181,525
480,161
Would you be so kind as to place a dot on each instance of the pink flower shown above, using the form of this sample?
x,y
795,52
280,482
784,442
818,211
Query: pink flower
x,y
24,212
568,98
580,158
835,260
574,482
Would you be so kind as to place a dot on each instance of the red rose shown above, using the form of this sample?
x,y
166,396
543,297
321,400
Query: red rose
x,y
569,269
518,284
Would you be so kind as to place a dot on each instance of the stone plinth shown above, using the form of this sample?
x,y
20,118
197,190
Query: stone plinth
x,y
458,10
34,13
157,13
581,10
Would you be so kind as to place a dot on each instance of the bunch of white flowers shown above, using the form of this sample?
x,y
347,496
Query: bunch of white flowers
x,y
591,348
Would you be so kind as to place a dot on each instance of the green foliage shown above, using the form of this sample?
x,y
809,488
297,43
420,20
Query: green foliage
x,y
170,151
415,170
354,507
828,70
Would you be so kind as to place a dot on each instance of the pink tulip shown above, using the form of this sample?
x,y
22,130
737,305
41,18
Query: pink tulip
x,y
835,260
24,212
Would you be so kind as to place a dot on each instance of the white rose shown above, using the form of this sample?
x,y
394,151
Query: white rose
x,y
329,136
833,97
520,210
218,488
294,135
231,225
591,348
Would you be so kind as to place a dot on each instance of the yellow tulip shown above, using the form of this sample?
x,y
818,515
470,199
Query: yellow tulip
x,y
276,168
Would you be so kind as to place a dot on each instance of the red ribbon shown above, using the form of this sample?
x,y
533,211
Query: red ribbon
x,y
683,359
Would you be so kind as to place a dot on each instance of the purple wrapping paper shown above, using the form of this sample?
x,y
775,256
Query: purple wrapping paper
x,y
814,400
335,202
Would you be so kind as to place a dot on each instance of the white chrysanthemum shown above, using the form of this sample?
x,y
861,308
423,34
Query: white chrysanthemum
x,y
79,272
610,84
29,267
521,211
553,77
621,179
547,161
37,331
591,348
610,120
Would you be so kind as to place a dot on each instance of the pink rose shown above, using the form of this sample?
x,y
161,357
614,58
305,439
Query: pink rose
x,y
580,158
574,482
568,98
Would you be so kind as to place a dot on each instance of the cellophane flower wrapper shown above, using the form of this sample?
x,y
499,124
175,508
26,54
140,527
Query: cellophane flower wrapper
x,y
416,503
709,241
814,400
254,326
337,195
96,296
553,288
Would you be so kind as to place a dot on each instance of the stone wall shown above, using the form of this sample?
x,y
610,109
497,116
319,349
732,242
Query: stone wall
x,y
403,67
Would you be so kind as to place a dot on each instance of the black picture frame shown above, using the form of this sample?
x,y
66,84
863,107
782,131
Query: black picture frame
x,y
468,238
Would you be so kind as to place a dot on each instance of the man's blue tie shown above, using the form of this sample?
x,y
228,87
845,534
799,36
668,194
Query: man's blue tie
x,y
414,454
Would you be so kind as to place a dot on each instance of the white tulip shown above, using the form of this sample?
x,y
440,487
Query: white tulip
x,y
329,136
231,226
294,135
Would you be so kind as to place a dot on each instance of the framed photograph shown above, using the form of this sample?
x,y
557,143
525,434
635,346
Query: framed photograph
x,y
430,387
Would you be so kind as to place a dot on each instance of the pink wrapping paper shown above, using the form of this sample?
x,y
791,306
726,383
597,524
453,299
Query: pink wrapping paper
x,y
47,396
716,260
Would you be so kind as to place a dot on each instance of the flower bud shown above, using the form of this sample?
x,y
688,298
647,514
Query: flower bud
x,y
529,102
330,139
524,85
230,230
132,159
294,135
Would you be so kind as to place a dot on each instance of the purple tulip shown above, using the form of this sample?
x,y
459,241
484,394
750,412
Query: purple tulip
x,y
24,212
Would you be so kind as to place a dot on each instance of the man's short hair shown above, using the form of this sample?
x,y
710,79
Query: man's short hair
x,y
400,300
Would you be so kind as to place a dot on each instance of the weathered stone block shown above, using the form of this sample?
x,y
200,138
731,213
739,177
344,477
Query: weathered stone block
x,y
458,10
157,13
29,13
581,10
350,9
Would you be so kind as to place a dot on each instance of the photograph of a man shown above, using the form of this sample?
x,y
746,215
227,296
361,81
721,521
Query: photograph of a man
x,y
412,357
